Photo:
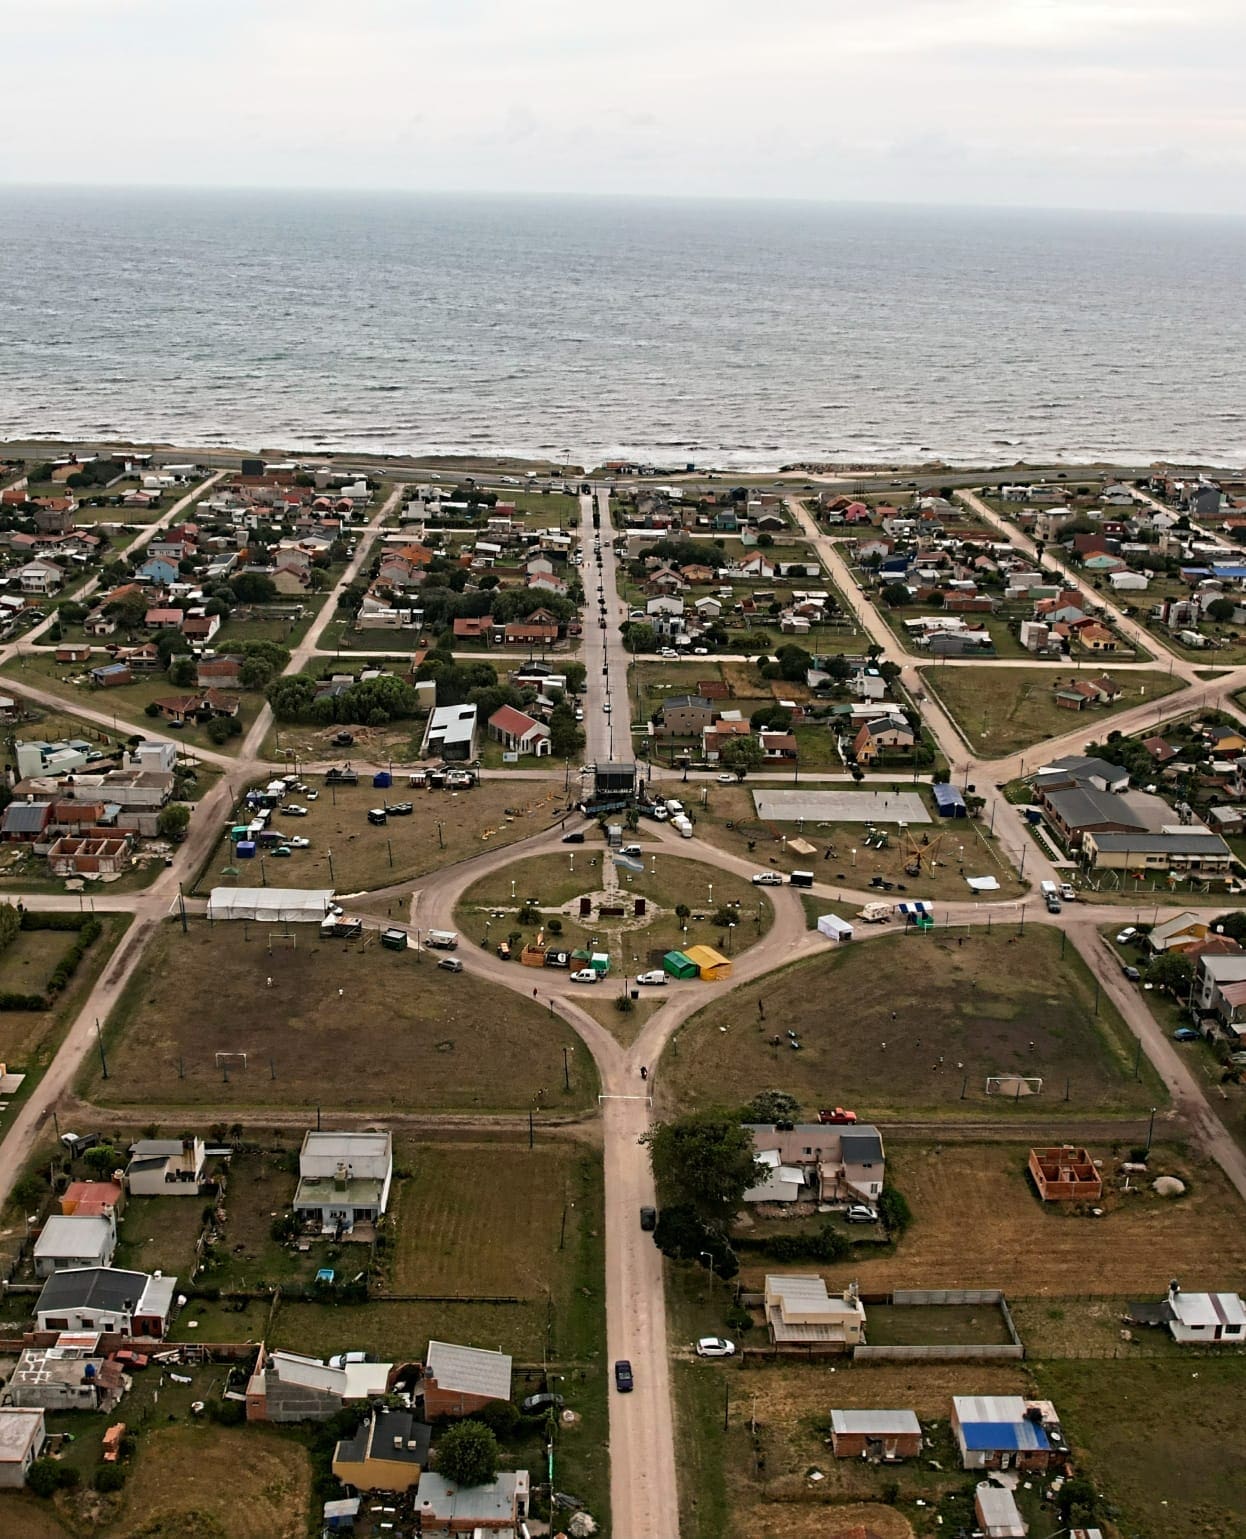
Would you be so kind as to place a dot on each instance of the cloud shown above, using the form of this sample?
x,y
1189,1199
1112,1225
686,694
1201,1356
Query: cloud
x,y
900,99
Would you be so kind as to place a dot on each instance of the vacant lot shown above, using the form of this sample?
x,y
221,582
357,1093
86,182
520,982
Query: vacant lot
x,y
350,855
1004,710
372,1029
921,1325
158,1234
126,704
1153,1437
918,1022
977,1223
201,1481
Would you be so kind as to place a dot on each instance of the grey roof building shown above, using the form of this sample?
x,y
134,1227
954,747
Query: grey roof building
x,y
469,1370
496,1507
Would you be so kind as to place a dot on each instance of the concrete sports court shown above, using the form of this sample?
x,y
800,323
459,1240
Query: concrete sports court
x,y
840,807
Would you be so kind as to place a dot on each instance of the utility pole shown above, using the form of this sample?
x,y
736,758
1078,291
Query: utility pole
x,y
99,1037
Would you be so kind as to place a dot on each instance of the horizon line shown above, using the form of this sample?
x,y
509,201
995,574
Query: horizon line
x,y
579,195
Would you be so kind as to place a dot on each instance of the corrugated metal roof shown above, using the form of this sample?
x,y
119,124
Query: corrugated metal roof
x,y
471,1370
875,1423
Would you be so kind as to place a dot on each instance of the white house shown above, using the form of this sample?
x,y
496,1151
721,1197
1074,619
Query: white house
x,y
344,1178
450,733
40,576
1206,1318
22,1436
72,1241
166,1167
100,1298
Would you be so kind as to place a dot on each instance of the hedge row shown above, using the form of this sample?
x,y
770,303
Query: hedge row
x,y
89,930
46,920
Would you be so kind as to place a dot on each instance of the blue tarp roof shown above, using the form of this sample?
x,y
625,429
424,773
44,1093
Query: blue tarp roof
x,y
947,796
1226,569
1009,1436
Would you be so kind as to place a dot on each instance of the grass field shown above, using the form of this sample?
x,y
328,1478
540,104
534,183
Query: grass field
x,y
1153,1437
886,1028
28,1038
922,1325
126,704
159,1234
372,1029
977,1223
200,1481
729,819
364,856
1004,710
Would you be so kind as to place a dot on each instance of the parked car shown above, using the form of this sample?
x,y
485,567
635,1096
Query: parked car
x,y
544,1402
1131,973
1126,935
726,778
293,810
573,838
767,879
585,975
623,1376
655,977
632,849
451,964
282,852
1186,1034
648,1219
132,1362
311,795
715,1346
861,1213
298,842
377,815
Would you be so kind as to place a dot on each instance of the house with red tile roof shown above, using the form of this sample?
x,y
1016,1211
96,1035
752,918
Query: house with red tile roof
x,y
518,732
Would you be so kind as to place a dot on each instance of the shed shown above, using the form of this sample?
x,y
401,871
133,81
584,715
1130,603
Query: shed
x,y
676,965
710,964
949,803
875,1434
834,928
998,1515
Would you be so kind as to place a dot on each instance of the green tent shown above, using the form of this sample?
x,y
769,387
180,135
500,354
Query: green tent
x,y
677,965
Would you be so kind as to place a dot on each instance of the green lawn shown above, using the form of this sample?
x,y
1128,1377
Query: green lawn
x,y
1004,711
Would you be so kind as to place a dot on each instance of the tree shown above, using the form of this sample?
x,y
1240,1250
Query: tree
x,y
102,1161
894,1210
47,1476
706,1160
741,755
684,1235
255,672
10,924
1221,610
565,737
1172,972
182,672
896,594
639,637
222,728
172,821
1233,924
253,588
468,1454
772,1106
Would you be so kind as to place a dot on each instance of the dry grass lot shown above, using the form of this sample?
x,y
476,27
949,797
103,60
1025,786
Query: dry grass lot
x,y
926,997
1160,1440
977,1223
375,1029
494,813
1002,711
207,1482
159,1234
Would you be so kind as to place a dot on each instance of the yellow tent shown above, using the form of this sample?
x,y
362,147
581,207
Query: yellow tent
x,y
711,964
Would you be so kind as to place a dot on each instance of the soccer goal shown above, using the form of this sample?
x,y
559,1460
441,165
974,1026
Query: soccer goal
x,y
290,940
231,1060
1014,1085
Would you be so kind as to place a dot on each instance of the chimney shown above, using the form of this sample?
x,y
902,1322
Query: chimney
x,y
339,1178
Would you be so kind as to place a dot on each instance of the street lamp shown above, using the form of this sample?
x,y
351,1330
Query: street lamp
x,y
710,1258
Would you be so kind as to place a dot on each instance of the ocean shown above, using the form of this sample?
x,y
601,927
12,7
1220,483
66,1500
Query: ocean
x,y
736,334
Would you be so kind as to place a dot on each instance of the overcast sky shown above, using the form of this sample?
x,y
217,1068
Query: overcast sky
x,y
1068,103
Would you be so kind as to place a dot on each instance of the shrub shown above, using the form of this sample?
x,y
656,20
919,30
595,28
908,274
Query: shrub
x,y
739,1320
624,1004
108,1477
894,1210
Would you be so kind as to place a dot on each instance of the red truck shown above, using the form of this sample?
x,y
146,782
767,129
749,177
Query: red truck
x,y
838,1115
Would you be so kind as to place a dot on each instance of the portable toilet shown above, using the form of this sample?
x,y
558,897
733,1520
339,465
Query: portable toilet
x,y
245,849
676,965
382,780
